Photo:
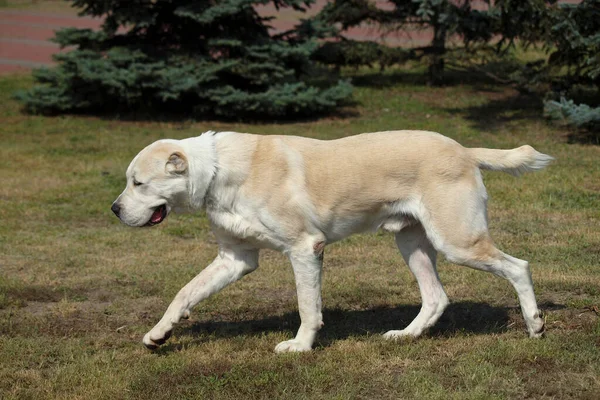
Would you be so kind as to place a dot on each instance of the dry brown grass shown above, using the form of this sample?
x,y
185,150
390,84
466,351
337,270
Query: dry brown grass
x,y
78,290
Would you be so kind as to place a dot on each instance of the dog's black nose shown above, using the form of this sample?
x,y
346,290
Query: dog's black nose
x,y
116,209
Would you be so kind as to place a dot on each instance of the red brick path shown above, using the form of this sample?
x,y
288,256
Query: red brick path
x,y
24,37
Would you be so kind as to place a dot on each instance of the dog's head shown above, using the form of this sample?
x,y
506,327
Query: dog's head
x,y
157,182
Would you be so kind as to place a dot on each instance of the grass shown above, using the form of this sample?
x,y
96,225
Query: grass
x,y
78,290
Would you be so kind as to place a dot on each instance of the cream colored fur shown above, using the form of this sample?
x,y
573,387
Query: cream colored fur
x,y
297,195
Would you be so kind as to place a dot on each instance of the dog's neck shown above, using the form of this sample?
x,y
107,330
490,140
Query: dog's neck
x,y
202,161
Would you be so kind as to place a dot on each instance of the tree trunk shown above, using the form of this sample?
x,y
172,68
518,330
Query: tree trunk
x,y
438,49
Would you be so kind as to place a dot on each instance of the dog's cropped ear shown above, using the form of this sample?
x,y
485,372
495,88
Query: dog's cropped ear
x,y
177,163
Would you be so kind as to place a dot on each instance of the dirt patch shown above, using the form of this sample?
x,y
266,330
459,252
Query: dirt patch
x,y
549,382
571,319
17,295
81,319
183,381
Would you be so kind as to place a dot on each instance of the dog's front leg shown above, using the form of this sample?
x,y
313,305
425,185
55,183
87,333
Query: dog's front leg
x,y
307,271
230,265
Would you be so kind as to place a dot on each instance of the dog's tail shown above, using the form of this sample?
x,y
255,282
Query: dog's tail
x,y
515,162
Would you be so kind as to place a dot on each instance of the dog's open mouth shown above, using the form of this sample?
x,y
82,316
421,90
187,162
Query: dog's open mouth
x,y
158,216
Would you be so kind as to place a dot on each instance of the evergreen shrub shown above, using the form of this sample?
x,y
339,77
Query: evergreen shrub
x,y
205,58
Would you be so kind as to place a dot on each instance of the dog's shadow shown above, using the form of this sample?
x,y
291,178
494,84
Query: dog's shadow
x,y
466,317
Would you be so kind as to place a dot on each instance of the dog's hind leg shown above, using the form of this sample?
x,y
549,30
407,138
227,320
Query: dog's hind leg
x,y
419,254
230,265
484,256
457,225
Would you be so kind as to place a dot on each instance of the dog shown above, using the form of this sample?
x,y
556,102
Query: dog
x,y
296,195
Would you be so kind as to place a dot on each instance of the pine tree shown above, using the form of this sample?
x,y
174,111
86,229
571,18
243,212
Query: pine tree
x,y
576,115
207,58
575,37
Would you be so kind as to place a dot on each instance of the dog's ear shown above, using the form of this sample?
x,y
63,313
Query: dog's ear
x,y
177,163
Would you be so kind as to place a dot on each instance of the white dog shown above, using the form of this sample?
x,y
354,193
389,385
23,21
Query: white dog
x,y
297,195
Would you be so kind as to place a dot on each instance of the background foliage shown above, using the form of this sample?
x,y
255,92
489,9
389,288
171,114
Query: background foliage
x,y
459,28
467,37
575,39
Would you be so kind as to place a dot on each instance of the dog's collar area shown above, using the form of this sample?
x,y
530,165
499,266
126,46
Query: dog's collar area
x,y
158,216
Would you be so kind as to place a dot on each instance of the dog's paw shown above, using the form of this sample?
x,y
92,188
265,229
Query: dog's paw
x,y
153,344
396,335
291,346
538,326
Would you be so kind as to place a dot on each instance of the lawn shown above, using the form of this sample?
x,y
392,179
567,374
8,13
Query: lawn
x,y
78,290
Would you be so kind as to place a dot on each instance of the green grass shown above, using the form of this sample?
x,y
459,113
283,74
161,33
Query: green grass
x,y
78,290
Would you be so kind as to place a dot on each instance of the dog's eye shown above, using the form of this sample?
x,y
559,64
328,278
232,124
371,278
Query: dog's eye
x,y
136,183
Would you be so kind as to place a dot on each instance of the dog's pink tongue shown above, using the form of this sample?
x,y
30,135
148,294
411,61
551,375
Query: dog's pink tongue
x,y
157,215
